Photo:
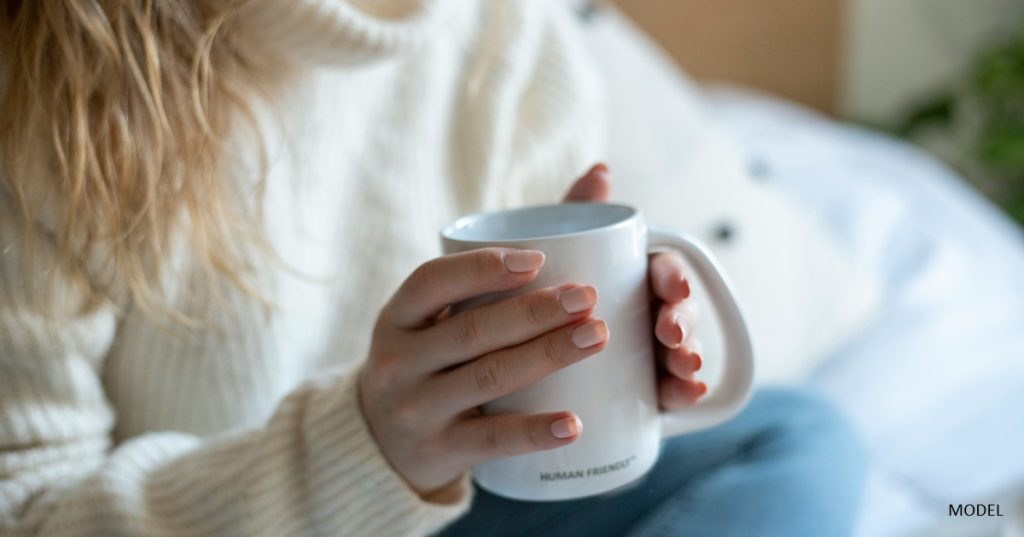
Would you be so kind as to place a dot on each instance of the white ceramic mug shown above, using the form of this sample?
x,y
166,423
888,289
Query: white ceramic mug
x,y
615,391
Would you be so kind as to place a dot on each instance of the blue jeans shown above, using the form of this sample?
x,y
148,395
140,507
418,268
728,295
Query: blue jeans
x,y
788,465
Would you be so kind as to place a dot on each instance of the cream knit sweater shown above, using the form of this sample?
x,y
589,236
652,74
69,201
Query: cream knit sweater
x,y
406,114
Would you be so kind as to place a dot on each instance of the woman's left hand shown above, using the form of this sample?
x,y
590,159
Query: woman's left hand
x,y
674,314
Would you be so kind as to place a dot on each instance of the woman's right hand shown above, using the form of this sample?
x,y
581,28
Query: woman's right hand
x,y
428,371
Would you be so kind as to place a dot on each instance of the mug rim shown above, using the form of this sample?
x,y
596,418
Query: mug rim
x,y
448,231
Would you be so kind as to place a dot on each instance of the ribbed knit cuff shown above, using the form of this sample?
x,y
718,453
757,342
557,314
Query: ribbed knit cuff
x,y
352,471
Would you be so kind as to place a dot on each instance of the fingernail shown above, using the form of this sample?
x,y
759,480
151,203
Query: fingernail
x,y
523,260
578,299
702,389
677,332
590,334
697,362
686,288
601,167
566,427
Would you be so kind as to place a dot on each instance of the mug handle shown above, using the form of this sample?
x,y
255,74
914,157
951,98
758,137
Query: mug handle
x,y
731,395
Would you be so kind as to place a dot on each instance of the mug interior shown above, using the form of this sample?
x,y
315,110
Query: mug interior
x,y
539,222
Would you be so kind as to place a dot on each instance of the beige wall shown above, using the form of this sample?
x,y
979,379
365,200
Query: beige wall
x,y
788,47
865,59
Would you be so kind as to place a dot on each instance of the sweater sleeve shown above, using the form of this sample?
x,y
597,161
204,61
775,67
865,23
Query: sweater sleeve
x,y
312,469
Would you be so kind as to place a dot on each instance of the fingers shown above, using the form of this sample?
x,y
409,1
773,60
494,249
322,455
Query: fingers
x,y
490,437
506,323
676,315
594,186
683,362
514,368
677,386
674,392
668,277
456,277
674,321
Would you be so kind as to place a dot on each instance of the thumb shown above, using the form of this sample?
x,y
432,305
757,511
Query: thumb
x,y
594,186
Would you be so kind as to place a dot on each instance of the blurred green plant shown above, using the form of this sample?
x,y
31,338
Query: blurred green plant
x,y
985,112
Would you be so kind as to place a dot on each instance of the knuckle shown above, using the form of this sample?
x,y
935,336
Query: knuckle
x,y
386,373
405,414
672,260
430,449
536,309
501,438
660,262
535,438
487,262
376,380
467,330
492,376
552,351
422,278
385,367
492,437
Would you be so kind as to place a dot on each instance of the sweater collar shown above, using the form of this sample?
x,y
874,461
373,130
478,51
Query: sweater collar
x,y
343,32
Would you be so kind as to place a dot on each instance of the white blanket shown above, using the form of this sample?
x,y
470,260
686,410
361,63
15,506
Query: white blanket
x,y
936,383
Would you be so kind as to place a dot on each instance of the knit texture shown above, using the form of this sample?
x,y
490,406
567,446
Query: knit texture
x,y
404,115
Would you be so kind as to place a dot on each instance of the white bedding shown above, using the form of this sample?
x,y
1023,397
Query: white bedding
x,y
936,383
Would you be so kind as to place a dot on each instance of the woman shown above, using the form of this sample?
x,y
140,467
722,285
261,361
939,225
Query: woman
x,y
221,306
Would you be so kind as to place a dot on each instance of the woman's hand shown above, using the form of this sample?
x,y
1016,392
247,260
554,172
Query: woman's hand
x,y
674,316
428,371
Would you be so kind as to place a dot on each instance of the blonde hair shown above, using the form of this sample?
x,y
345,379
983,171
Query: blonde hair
x,y
129,103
